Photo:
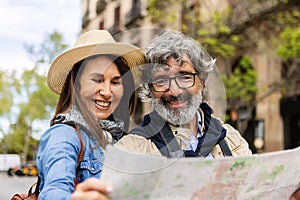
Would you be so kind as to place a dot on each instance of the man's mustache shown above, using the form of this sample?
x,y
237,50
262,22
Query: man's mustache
x,y
170,99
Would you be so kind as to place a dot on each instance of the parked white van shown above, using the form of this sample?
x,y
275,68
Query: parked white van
x,y
9,160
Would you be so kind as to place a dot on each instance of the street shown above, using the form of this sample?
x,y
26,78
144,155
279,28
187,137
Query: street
x,y
12,185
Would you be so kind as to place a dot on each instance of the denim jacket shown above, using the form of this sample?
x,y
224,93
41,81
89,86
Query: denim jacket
x,y
57,161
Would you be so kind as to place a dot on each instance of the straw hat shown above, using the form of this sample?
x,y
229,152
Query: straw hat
x,y
88,44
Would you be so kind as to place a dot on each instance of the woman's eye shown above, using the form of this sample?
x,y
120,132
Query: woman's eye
x,y
116,82
97,80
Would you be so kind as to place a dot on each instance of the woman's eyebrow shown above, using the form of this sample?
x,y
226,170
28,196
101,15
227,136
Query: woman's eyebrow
x,y
117,77
96,75
102,75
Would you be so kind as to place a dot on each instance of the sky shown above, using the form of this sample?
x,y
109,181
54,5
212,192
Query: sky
x,y
29,22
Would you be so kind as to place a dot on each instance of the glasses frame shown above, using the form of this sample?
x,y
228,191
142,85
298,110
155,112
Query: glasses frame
x,y
174,78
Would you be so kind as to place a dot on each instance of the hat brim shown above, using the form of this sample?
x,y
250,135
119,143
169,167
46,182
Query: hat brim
x,y
62,65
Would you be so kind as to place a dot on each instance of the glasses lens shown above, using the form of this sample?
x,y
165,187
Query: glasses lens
x,y
185,81
161,84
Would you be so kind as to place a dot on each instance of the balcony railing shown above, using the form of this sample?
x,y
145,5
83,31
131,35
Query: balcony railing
x,y
115,29
133,14
246,10
85,19
100,6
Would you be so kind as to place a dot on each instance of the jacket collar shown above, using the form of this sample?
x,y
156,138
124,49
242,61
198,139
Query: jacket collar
x,y
74,117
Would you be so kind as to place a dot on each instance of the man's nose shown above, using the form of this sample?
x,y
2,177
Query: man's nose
x,y
174,89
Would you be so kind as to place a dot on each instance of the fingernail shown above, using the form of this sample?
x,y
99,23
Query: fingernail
x,y
109,188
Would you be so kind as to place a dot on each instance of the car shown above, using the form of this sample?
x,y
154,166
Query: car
x,y
23,170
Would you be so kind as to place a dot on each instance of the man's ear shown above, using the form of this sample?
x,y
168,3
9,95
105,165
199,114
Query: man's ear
x,y
202,81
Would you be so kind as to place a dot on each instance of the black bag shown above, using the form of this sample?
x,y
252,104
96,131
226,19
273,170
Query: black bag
x,y
30,195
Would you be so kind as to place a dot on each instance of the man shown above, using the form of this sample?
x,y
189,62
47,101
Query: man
x,y
181,124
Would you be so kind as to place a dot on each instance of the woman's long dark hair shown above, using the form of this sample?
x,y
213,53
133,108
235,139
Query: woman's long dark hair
x,y
70,96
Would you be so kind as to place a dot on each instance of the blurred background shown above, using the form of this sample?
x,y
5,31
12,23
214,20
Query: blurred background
x,y
256,44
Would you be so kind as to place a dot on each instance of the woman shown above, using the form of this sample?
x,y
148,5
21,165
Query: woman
x,y
90,81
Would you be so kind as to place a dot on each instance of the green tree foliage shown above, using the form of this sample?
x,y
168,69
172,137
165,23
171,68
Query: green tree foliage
x,y
157,11
289,50
6,95
48,50
290,44
240,84
6,101
215,34
34,101
19,137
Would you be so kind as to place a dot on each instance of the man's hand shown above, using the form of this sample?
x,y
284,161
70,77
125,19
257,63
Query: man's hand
x,y
296,195
92,189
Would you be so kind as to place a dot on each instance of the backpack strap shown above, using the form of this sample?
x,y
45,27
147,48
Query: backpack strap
x,y
172,145
224,146
37,187
80,155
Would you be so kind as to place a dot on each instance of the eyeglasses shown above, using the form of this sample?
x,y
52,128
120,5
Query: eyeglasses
x,y
183,81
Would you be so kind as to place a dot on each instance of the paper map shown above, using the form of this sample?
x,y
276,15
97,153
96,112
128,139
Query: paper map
x,y
262,176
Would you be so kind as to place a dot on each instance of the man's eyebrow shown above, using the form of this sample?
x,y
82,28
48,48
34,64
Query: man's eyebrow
x,y
182,62
186,72
161,75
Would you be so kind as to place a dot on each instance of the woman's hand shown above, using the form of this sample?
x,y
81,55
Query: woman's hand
x,y
92,189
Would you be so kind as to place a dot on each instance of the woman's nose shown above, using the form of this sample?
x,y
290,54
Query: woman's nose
x,y
105,90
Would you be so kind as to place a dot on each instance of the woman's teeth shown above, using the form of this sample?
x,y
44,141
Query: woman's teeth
x,y
101,103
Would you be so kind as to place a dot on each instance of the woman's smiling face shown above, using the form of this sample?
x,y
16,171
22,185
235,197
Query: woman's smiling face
x,y
101,87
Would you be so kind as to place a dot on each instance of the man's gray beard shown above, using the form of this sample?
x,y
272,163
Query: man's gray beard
x,y
178,116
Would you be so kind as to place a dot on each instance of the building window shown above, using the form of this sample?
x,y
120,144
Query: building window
x,y
101,25
134,13
116,28
85,19
117,16
100,6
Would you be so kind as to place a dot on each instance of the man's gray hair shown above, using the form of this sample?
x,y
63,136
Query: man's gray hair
x,y
173,44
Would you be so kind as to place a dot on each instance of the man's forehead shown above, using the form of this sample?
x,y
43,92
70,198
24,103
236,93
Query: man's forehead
x,y
172,71
174,66
177,61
